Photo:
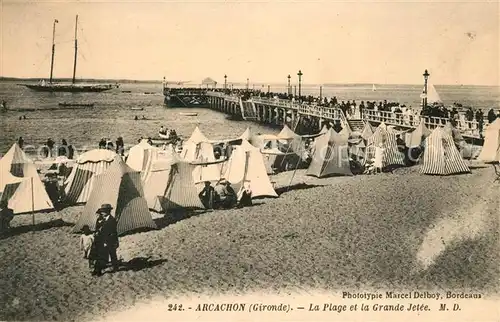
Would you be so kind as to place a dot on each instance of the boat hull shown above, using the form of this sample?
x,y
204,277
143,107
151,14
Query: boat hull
x,y
69,88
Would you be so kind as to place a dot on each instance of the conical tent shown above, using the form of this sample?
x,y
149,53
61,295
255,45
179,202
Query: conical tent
x,y
80,182
246,135
17,163
197,136
367,131
330,156
386,139
175,187
293,140
491,147
121,187
139,155
24,195
417,136
20,184
441,156
246,166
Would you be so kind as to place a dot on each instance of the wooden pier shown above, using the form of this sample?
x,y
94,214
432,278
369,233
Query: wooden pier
x,y
279,112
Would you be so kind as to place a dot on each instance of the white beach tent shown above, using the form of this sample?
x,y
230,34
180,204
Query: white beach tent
x,y
81,179
246,168
441,156
198,149
20,184
140,154
491,147
17,163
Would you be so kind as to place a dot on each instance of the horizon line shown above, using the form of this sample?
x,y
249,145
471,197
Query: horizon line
x,y
242,83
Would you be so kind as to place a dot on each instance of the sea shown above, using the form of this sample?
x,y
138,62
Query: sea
x,y
112,115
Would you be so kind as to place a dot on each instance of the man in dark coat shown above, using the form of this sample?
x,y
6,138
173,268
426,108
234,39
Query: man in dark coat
x,y
207,195
106,239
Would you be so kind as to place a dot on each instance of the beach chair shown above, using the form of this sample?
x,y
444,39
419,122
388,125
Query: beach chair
x,y
496,167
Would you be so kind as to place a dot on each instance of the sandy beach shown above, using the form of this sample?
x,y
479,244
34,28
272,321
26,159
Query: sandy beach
x,y
400,231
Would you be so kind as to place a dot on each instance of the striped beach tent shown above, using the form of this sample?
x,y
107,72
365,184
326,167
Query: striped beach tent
x,y
386,139
417,136
441,156
171,186
491,147
246,167
139,155
330,156
367,131
80,182
120,186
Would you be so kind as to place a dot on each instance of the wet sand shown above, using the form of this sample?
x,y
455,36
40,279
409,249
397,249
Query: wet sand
x,y
333,234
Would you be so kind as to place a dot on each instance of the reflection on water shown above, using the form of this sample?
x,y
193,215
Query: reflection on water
x,y
112,115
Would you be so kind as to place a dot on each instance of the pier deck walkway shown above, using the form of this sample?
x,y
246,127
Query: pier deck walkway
x,y
281,111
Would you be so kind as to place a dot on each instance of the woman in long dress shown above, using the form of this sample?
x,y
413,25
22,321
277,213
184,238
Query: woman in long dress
x,y
379,154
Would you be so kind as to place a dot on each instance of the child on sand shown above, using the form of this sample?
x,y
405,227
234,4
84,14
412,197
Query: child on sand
x,y
86,241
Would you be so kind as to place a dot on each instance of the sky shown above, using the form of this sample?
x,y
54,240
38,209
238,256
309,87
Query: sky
x,y
380,42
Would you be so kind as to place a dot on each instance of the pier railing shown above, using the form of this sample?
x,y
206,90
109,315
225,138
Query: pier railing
x,y
469,128
408,120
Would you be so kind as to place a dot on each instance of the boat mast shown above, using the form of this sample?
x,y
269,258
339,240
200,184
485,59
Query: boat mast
x,y
76,49
53,49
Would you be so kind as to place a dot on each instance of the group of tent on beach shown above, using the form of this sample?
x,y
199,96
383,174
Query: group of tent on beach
x,y
158,179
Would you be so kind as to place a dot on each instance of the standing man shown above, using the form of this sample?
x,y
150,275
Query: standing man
x,y
106,239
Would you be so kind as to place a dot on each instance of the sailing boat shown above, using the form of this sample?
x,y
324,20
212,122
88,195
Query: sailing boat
x,y
49,86
432,95
374,89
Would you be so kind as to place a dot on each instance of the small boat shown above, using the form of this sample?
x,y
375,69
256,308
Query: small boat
x,y
137,108
188,113
76,104
126,91
374,89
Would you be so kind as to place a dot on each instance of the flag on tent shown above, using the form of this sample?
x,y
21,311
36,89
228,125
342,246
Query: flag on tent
x,y
441,156
121,187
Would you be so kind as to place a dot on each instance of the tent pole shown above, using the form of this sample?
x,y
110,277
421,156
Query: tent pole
x,y
32,204
294,171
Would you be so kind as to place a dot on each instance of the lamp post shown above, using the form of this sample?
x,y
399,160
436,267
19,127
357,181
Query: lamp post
x,y
289,89
426,77
225,81
300,80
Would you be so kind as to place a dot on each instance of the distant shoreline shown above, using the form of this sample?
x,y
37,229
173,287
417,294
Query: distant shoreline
x,y
241,84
